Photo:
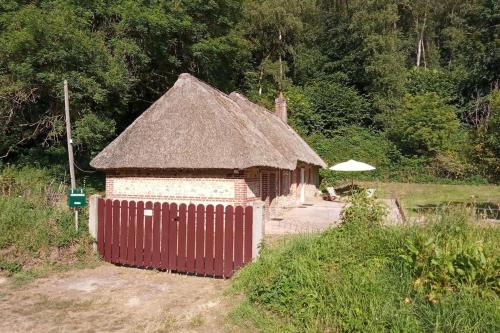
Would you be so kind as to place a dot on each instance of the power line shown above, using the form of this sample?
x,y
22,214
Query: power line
x,y
86,171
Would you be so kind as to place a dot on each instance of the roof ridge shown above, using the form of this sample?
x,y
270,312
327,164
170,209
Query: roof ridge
x,y
209,88
237,116
313,156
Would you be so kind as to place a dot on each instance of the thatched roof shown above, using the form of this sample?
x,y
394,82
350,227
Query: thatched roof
x,y
195,126
281,135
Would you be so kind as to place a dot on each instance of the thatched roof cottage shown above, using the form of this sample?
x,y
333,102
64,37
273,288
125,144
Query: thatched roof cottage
x,y
198,145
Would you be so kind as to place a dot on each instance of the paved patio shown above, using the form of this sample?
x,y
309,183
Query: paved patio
x,y
310,217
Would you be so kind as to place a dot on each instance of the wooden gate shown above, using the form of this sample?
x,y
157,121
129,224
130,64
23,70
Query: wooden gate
x,y
202,240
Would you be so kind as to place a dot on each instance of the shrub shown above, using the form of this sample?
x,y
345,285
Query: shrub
x,y
425,126
363,210
449,254
357,143
337,105
353,278
34,218
445,83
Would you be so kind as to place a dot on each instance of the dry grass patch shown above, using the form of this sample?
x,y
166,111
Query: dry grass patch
x,y
414,196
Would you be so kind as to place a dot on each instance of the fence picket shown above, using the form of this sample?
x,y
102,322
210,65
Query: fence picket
x,y
219,241
238,237
131,233
115,250
139,235
122,257
100,226
156,235
191,242
165,218
228,241
181,239
108,229
148,234
248,234
172,238
209,241
200,244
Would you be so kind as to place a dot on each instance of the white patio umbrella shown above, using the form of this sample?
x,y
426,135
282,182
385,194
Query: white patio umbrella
x,y
352,166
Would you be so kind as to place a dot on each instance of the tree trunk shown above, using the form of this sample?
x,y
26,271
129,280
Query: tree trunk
x,y
420,44
419,51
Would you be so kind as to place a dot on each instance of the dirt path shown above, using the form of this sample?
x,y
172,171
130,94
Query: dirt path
x,y
114,299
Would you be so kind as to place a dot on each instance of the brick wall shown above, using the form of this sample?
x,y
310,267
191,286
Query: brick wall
x,y
225,187
288,194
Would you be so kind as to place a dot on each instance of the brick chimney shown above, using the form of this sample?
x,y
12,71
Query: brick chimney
x,y
280,105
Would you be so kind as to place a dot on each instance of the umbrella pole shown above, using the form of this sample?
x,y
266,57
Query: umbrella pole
x,y
352,185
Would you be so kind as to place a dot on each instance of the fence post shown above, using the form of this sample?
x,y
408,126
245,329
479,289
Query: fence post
x,y
258,227
93,218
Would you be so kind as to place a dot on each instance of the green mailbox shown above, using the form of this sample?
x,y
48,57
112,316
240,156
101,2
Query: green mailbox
x,y
77,198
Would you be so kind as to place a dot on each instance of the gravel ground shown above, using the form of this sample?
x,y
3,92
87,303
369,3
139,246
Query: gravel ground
x,y
114,299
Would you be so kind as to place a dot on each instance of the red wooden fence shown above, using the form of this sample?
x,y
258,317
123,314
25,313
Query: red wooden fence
x,y
201,240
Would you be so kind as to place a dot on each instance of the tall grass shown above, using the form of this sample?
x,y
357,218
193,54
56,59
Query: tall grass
x,y
361,277
35,223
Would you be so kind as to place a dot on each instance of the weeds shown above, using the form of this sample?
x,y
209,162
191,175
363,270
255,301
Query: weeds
x,y
197,320
36,228
356,278
449,253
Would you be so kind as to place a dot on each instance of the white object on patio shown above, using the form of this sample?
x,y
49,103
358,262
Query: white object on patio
x,y
350,166
331,193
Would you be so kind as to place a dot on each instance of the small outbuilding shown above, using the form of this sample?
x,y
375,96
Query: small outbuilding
x,y
198,145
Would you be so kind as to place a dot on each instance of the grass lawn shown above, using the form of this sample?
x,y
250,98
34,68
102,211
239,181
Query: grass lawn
x,y
412,195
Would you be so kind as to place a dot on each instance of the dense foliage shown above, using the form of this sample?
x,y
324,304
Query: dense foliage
x,y
361,276
36,228
421,77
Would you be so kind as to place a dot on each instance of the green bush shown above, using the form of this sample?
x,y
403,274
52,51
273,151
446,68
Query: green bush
x,y
363,211
337,105
357,143
353,278
443,82
34,218
450,254
425,126
375,148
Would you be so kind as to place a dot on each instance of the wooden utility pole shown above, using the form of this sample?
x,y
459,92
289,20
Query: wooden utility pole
x,y
70,145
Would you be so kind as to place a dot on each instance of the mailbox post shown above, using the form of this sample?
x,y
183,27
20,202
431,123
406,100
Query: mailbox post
x,y
76,198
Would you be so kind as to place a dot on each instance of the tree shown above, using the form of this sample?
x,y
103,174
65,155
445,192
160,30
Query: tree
x,y
118,57
425,125
274,29
486,139
376,23
301,115
337,105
